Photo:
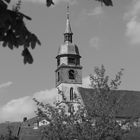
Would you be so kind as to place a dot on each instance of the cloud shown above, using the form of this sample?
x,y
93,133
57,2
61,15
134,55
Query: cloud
x,y
96,11
16,109
86,82
4,85
47,96
94,42
85,14
133,22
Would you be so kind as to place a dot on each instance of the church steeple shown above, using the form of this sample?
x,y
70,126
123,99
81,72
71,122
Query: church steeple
x,y
68,32
69,69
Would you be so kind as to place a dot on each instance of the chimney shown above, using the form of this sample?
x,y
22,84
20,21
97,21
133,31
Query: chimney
x,y
24,119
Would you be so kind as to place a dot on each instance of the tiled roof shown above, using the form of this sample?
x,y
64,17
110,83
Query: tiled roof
x,y
28,133
14,127
129,99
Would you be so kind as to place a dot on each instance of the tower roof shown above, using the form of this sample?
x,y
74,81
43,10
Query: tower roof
x,y
68,27
68,49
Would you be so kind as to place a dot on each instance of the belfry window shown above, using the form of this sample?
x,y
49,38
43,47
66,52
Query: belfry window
x,y
58,61
71,74
71,60
71,94
66,37
77,61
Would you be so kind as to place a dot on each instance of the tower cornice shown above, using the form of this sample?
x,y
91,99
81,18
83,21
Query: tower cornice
x,y
68,66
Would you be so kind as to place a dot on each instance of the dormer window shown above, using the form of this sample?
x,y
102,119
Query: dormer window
x,y
71,74
71,61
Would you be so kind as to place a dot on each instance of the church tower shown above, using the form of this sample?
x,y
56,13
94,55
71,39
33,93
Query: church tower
x,y
69,70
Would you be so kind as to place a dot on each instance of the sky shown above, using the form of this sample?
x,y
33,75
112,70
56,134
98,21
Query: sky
x,y
104,35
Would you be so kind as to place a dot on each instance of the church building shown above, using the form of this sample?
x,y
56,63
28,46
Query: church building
x,y
69,78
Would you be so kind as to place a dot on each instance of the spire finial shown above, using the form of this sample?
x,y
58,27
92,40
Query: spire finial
x,y
68,12
68,27
68,32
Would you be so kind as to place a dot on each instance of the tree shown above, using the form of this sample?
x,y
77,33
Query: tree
x,y
9,135
13,31
106,105
94,122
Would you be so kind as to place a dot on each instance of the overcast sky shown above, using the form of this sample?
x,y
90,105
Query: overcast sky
x,y
104,35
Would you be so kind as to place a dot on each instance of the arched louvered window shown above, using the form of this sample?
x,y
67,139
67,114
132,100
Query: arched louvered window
x,y
71,74
71,94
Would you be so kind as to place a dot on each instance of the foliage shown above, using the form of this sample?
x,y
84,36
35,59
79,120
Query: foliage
x,y
106,2
106,104
13,31
63,125
99,123
9,135
49,3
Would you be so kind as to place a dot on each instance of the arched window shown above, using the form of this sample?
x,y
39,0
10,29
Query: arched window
x,y
58,76
71,74
71,94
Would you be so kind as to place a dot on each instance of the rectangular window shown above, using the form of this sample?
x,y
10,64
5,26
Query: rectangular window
x,y
58,78
58,61
77,61
71,60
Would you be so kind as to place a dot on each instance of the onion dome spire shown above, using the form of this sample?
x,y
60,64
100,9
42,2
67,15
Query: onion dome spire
x,y
68,32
